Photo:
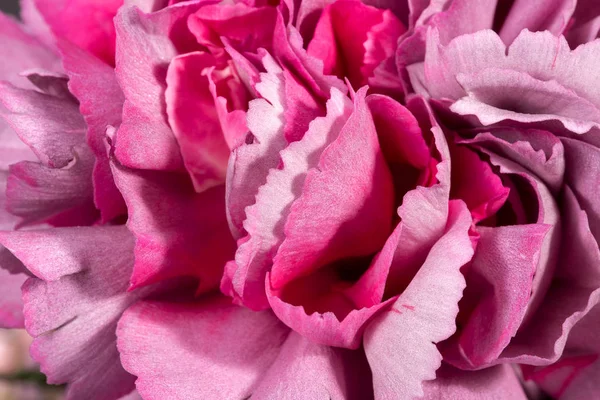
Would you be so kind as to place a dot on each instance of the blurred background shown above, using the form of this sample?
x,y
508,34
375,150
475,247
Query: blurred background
x,y
10,6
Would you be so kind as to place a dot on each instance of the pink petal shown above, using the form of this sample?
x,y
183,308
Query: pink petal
x,y
73,316
305,371
11,305
499,287
59,196
586,23
495,95
354,53
145,45
246,28
265,218
537,15
201,140
582,173
392,337
208,349
147,6
541,152
573,292
50,125
21,52
88,24
497,383
100,103
312,226
250,163
178,232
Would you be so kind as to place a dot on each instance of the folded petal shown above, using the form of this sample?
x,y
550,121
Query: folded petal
x,y
21,52
178,232
400,343
59,196
208,349
145,45
50,125
100,103
264,222
199,134
305,371
73,316
354,53
541,152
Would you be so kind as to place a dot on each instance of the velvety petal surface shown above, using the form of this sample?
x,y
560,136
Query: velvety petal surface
x,y
225,350
146,43
400,343
73,304
178,232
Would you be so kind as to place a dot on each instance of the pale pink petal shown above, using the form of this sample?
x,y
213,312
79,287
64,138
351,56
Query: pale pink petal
x,y
50,125
36,24
147,6
250,163
208,349
178,232
264,219
100,103
73,317
145,45
537,15
400,343
495,95
87,24
59,196
496,383
199,134
306,371
21,51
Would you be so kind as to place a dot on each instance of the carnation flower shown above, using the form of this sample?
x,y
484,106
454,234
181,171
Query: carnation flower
x,y
297,199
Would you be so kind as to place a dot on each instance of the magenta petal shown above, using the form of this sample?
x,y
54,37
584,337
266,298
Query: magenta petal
x,y
424,314
496,383
73,317
144,46
178,232
354,53
21,52
201,140
307,371
351,187
223,349
264,218
87,24
101,103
